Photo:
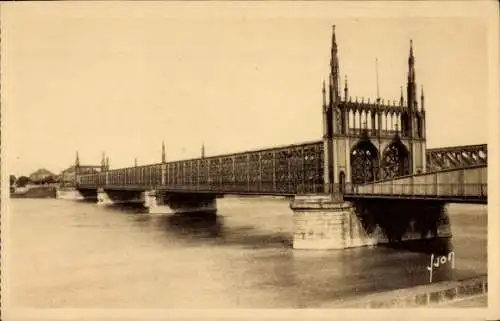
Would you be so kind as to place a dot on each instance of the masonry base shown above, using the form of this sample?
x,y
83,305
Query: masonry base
x,y
69,195
111,197
324,223
179,203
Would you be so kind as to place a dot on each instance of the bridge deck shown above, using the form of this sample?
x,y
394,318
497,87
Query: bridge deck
x,y
454,185
295,169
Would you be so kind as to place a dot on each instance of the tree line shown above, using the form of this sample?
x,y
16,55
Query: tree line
x,y
22,181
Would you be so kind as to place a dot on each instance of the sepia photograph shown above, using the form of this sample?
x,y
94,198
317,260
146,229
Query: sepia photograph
x,y
203,156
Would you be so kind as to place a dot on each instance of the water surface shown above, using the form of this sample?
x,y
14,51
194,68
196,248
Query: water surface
x,y
79,255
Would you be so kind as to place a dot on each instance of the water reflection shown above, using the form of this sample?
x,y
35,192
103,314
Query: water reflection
x,y
193,225
360,269
437,246
128,208
210,228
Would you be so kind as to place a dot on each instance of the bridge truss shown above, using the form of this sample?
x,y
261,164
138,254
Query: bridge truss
x,y
289,170
456,157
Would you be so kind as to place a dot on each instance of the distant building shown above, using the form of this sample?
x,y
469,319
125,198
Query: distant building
x,y
67,176
41,175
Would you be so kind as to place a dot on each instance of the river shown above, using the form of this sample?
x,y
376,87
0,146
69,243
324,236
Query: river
x,y
79,255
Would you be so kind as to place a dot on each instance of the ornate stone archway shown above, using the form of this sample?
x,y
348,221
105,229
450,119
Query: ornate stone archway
x,y
364,162
395,160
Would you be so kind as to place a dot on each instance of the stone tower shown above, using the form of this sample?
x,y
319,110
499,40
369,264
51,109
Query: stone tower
x,y
370,140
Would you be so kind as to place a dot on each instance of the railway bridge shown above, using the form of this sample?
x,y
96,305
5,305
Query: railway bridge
x,y
370,179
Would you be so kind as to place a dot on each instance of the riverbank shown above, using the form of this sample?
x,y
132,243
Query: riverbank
x,y
432,295
35,192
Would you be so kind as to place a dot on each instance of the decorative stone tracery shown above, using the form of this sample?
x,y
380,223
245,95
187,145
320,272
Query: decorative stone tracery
x,y
364,162
395,160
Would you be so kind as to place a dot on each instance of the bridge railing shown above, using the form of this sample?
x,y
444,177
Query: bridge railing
x,y
265,188
479,190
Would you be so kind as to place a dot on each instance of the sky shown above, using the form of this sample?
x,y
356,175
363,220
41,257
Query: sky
x,y
121,77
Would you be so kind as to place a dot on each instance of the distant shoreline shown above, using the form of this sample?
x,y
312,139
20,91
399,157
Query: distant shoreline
x,y
35,192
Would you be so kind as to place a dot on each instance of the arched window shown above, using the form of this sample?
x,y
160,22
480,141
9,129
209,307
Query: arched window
x,y
395,160
364,162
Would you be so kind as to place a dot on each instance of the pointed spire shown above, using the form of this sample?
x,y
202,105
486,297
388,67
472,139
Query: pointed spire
x,y
330,90
103,162
401,99
202,150
411,95
107,163
422,97
411,49
324,96
163,153
411,57
135,162
376,73
77,160
334,41
346,88
334,69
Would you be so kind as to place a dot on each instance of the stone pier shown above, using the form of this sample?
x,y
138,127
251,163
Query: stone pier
x,y
69,194
176,203
90,195
103,198
322,222
112,197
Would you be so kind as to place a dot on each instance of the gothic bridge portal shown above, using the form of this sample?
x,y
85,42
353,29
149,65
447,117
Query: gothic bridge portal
x,y
370,179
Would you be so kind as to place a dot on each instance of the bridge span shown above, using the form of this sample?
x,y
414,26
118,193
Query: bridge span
x,y
280,171
462,185
325,215
370,179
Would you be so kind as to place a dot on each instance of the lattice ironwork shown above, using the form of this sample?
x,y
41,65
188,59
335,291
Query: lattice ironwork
x,y
395,161
267,171
227,172
282,170
313,168
279,171
241,172
254,172
296,163
215,177
203,172
456,157
364,162
179,173
190,173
